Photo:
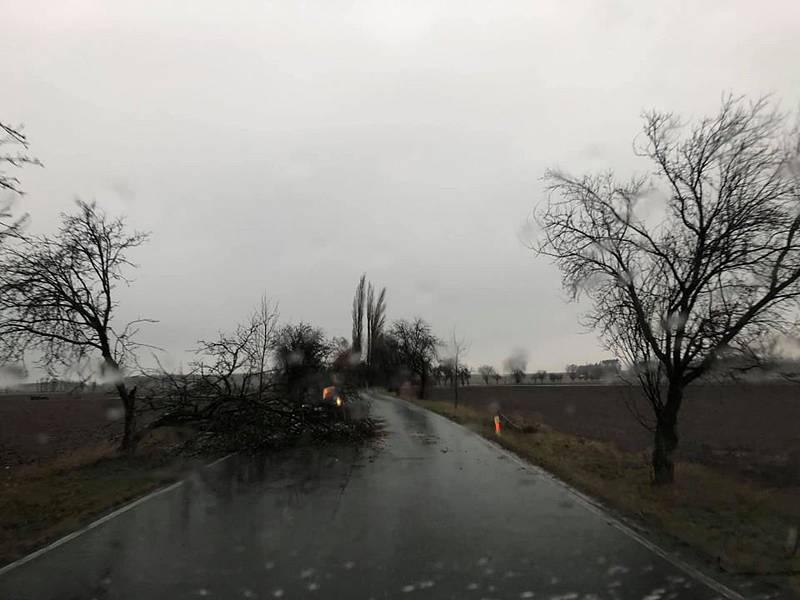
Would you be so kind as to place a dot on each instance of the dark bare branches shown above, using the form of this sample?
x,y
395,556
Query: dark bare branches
x,y
11,136
700,258
417,348
230,382
57,296
486,372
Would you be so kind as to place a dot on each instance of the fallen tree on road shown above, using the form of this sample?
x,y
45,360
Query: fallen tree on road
x,y
257,387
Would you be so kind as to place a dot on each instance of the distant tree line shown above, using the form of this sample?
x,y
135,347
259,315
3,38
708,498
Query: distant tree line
x,y
593,371
403,352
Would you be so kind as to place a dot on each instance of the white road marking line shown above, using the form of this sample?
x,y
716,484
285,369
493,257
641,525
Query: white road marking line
x,y
101,520
594,507
591,505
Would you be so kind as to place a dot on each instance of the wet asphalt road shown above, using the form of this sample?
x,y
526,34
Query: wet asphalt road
x,y
430,511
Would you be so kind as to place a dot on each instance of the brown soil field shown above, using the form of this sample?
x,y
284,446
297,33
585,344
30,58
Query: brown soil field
x,y
32,430
750,429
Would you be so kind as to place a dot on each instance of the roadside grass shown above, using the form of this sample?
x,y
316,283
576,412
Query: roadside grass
x,y
741,527
42,502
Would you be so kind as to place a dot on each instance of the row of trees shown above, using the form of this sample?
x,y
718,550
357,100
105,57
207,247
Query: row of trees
x,y
407,351
593,371
683,268
58,299
688,266
540,376
445,371
404,352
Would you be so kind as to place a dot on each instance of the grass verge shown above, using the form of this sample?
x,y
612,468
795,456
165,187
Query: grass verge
x,y
741,527
40,503
43,502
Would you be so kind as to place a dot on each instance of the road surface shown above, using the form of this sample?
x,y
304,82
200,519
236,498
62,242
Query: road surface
x,y
430,511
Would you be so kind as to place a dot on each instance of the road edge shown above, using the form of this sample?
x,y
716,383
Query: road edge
x,y
619,522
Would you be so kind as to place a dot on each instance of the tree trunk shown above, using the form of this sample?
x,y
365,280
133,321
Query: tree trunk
x,y
128,397
423,380
666,437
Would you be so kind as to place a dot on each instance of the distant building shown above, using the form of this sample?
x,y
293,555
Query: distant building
x,y
611,364
605,369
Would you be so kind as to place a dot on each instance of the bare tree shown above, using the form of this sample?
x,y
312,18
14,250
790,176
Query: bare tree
x,y
58,296
417,347
486,372
572,371
465,375
458,347
302,352
387,362
236,391
717,267
227,371
358,315
259,344
516,364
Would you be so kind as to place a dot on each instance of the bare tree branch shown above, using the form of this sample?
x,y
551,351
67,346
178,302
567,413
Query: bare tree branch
x,y
57,296
672,293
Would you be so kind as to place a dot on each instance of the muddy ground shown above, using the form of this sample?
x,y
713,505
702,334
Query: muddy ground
x,y
753,430
40,427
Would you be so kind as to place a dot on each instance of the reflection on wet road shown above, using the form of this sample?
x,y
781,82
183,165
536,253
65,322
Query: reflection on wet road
x,y
429,511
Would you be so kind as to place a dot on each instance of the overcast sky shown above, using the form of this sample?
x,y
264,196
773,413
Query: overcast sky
x,y
286,147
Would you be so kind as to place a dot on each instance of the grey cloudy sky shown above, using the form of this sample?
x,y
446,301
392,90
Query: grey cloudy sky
x,y
285,147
